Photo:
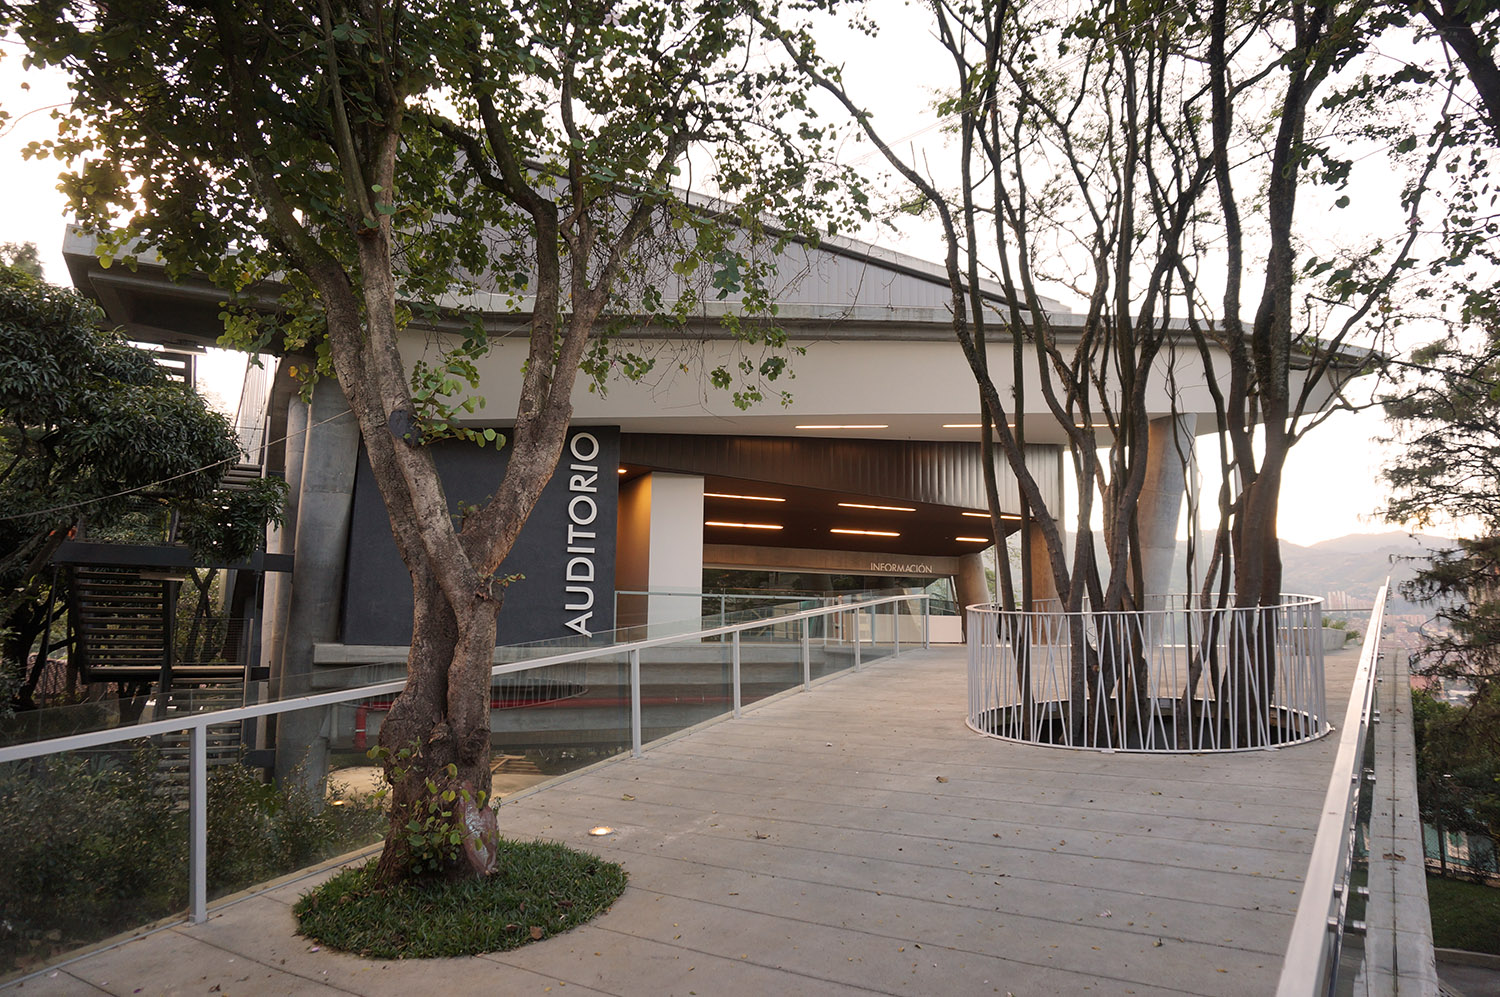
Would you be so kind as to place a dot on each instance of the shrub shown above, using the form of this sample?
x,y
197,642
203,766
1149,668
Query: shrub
x,y
97,844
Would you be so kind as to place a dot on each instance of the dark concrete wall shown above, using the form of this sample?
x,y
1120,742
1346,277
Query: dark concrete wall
x,y
377,597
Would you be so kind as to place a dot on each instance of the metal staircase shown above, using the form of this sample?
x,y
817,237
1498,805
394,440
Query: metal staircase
x,y
123,618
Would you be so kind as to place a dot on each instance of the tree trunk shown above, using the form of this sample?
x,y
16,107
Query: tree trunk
x,y
436,737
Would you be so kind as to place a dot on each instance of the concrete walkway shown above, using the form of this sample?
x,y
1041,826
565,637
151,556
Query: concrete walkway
x,y
855,839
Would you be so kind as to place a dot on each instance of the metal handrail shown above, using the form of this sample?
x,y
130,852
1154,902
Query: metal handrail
x,y
197,724
1171,677
1312,957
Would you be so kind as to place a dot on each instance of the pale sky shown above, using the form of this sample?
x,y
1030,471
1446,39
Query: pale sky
x,y
1332,486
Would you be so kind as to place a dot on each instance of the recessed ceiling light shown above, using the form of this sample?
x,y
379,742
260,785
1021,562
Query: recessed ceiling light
x,y
872,425
1011,425
743,526
985,515
886,508
975,540
747,498
867,533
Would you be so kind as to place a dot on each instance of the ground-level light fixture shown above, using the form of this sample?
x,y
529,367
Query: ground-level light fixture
x,y
743,526
866,533
601,831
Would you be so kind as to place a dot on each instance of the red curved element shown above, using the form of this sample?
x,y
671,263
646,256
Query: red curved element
x,y
361,713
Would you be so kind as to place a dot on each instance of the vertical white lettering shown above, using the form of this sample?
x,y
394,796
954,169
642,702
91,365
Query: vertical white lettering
x,y
582,438
582,510
588,600
578,517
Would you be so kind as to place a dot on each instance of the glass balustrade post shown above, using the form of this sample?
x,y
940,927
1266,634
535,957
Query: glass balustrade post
x,y
635,702
807,652
854,617
198,822
735,669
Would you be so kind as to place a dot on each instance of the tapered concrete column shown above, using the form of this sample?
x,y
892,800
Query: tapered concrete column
x,y
1043,583
279,540
325,503
660,548
1169,460
969,581
970,585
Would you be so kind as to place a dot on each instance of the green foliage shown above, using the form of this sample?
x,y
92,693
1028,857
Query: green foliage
x,y
93,428
1446,417
1464,915
22,256
539,889
1344,625
601,109
259,830
378,169
1447,471
433,830
85,416
434,836
94,848
227,526
97,844
1458,763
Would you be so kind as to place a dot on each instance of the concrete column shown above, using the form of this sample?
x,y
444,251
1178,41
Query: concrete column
x,y
1169,440
970,586
660,548
279,540
969,583
324,507
1043,585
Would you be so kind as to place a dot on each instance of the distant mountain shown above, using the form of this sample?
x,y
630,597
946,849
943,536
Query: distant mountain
x,y
1357,564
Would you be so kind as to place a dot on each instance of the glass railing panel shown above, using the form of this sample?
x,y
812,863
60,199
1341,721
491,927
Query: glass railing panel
x,y
555,719
832,643
770,660
95,845
683,684
316,796
1351,962
878,629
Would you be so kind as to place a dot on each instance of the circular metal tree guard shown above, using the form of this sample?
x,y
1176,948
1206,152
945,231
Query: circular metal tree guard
x,y
1177,677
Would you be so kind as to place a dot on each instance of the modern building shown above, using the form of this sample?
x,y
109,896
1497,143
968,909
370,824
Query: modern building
x,y
870,477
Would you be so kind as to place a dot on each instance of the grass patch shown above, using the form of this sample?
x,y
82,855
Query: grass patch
x,y
1464,915
539,889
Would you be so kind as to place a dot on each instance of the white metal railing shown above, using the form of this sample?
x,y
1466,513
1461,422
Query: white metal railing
x,y
196,725
1181,677
1312,957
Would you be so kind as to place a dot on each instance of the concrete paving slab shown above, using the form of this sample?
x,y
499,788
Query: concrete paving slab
x,y
59,983
812,848
594,955
263,932
171,963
